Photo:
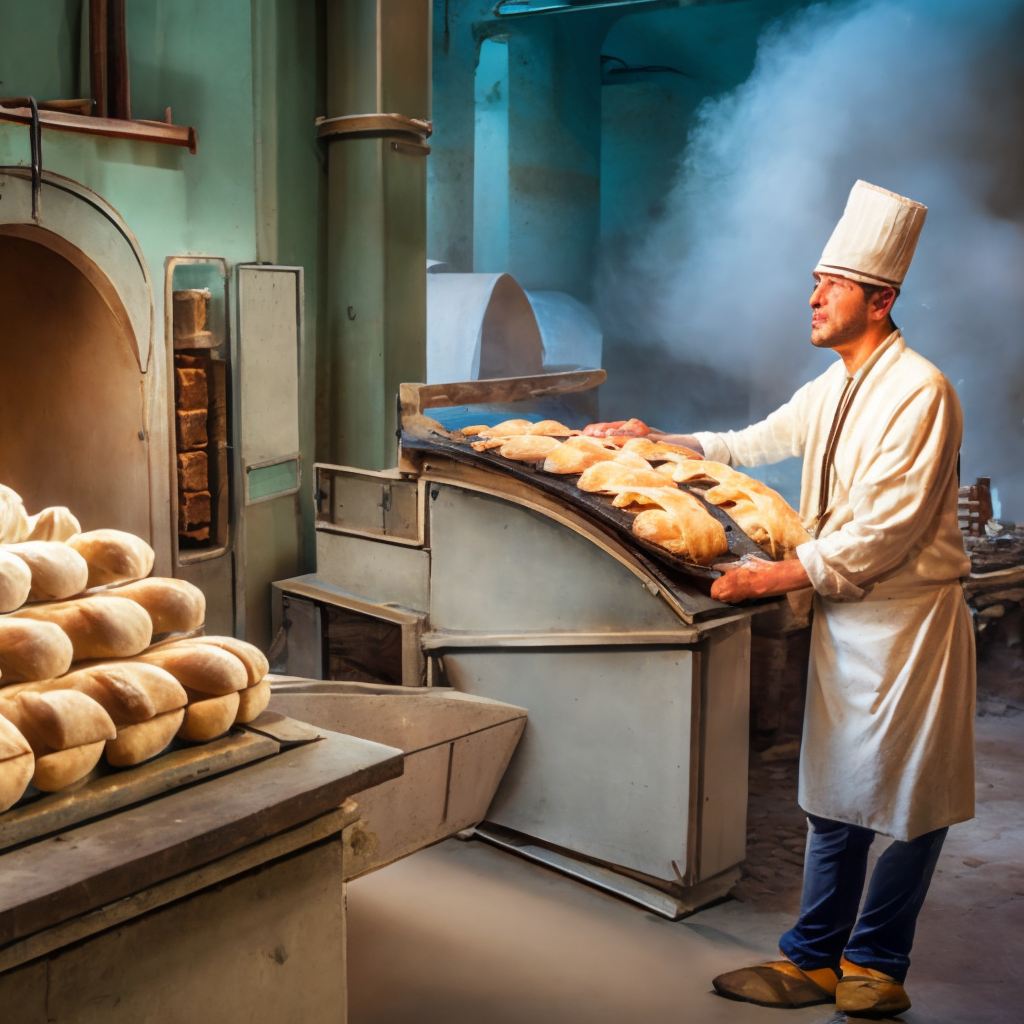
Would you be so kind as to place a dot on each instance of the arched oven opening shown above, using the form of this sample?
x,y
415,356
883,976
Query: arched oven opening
x,y
72,394
83,403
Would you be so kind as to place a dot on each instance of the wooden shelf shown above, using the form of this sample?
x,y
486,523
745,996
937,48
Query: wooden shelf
x,y
143,131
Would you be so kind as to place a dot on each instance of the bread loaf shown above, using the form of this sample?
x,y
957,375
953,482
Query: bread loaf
x,y
13,520
15,581
175,606
254,660
208,717
58,770
113,556
53,723
58,571
98,626
253,701
137,743
58,720
145,703
17,763
114,689
204,668
56,523
32,650
129,691
12,742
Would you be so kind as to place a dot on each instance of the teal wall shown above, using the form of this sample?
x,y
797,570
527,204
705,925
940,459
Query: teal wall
x,y
247,74
590,153
550,222
646,115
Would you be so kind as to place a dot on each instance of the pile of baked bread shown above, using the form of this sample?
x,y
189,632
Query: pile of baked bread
x,y
643,476
80,674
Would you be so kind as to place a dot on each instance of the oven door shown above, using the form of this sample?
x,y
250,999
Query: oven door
x,y
266,414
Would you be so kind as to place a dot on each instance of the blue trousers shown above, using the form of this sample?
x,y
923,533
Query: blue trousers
x,y
834,872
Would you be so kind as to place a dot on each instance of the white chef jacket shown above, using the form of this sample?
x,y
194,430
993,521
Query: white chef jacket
x,y
888,738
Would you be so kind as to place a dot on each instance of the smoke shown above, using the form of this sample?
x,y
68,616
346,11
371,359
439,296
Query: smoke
x,y
923,97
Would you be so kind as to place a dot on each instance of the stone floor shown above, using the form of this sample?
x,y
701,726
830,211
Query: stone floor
x,y
465,933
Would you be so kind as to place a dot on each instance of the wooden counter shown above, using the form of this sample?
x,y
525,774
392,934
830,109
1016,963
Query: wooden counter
x,y
221,901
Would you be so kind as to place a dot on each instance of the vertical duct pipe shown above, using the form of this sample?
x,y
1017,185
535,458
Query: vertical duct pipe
x,y
378,62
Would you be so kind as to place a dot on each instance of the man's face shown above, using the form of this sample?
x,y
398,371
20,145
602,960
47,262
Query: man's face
x,y
840,311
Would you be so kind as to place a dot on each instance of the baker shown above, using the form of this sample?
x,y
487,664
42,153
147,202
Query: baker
x,y
888,739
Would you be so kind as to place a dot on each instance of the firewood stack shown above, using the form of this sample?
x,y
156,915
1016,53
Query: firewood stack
x,y
192,372
974,507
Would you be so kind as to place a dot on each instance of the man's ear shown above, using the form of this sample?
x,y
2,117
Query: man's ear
x,y
882,302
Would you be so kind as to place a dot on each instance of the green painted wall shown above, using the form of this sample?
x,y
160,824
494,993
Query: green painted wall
x,y
194,57
247,74
40,46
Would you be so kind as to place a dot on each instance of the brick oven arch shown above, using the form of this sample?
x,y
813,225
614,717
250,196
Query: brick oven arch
x,y
87,231
82,411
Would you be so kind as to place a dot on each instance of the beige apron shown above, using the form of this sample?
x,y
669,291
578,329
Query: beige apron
x,y
888,729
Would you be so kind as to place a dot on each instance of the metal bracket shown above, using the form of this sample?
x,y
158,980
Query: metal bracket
x,y
35,135
665,899
518,8
413,129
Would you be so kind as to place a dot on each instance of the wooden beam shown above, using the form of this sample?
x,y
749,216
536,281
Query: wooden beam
x,y
108,127
98,56
118,93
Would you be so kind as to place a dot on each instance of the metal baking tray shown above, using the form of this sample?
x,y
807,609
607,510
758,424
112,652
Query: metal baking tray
x,y
596,506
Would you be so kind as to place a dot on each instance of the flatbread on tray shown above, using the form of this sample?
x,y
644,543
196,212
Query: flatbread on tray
x,y
612,477
676,521
761,513
658,451
577,454
528,448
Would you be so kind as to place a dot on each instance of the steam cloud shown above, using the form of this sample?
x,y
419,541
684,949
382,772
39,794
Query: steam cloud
x,y
923,97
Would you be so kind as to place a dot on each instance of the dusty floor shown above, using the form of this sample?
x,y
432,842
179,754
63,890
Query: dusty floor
x,y
465,933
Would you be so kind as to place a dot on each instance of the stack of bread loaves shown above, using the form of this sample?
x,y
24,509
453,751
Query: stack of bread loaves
x,y
80,674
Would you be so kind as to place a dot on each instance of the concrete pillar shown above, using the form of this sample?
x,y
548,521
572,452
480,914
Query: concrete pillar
x,y
555,152
378,61
457,36
554,143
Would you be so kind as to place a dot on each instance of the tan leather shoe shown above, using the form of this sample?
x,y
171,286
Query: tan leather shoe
x,y
779,983
862,992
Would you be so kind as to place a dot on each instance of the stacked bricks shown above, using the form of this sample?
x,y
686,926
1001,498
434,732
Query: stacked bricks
x,y
190,308
974,507
191,406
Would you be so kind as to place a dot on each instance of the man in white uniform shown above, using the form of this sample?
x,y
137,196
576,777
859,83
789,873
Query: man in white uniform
x,y
888,742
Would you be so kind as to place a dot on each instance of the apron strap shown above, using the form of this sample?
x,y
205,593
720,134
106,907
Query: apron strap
x,y
838,421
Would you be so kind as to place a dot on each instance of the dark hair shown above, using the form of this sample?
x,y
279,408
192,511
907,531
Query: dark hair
x,y
871,290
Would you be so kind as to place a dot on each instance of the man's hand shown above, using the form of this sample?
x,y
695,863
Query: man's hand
x,y
757,577
682,440
618,428
637,428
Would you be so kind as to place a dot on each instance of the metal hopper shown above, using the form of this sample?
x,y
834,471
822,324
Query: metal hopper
x,y
457,747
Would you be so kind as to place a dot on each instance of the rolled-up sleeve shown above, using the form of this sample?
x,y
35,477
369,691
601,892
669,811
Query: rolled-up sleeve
x,y
782,435
895,498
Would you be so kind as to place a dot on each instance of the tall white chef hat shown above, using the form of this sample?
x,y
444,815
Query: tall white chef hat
x,y
875,239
